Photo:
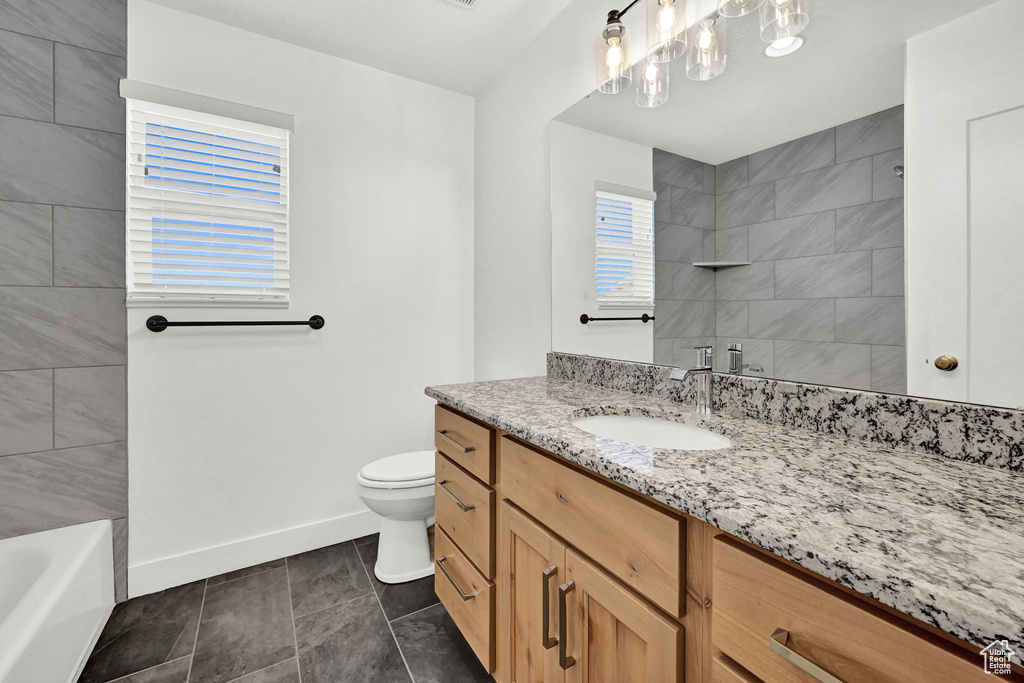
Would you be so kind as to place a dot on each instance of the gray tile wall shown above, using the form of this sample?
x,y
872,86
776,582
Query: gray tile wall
x,y
63,459
821,218
684,216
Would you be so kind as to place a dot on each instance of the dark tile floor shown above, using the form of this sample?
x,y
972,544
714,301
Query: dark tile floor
x,y
319,617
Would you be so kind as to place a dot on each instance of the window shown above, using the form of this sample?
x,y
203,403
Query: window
x,y
624,268
207,209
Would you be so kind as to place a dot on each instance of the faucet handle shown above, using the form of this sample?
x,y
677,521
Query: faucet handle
x,y
705,355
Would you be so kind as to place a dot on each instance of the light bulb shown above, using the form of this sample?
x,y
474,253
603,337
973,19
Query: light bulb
x,y
668,17
651,75
615,56
706,37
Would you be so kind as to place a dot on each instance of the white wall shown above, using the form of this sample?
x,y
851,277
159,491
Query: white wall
x,y
578,158
244,444
513,224
961,71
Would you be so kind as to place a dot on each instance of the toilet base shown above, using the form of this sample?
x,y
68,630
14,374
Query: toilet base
x,y
403,552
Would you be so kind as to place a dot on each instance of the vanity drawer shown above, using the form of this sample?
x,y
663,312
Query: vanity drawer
x,y
754,596
465,509
636,541
467,595
466,442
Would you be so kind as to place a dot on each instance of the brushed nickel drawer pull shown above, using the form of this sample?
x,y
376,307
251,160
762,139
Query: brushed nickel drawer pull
x,y
545,588
777,643
565,661
443,433
462,506
444,570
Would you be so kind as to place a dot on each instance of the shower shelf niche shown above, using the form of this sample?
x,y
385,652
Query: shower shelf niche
x,y
720,264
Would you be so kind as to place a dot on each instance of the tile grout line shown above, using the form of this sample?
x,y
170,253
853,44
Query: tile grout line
x,y
199,624
291,608
155,666
381,606
324,609
422,609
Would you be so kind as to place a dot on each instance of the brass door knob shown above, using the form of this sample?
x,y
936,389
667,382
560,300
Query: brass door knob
x,y
946,363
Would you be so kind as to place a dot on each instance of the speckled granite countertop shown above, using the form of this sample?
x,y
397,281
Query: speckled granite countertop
x,y
940,540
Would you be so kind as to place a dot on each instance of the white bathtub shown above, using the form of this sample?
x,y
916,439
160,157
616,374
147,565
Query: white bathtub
x,y
56,593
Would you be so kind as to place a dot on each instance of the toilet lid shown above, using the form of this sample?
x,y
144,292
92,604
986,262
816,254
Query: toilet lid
x,y
402,467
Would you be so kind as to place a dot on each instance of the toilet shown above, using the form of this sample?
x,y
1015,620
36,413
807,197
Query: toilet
x,y
400,488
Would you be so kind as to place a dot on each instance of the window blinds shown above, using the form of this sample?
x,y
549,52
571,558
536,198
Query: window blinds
x,y
624,269
207,208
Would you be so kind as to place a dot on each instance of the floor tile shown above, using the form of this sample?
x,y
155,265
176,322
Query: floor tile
x,y
285,672
172,672
326,577
398,599
145,632
350,642
246,626
435,650
242,573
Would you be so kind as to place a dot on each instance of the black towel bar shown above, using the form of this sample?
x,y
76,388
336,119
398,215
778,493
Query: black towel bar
x,y
158,323
586,318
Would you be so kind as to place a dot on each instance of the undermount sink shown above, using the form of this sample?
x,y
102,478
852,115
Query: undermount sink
x,y
653,432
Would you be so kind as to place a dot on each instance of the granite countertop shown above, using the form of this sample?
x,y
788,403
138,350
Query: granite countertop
x,y
937,539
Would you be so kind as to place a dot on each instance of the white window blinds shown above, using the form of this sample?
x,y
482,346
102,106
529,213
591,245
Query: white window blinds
x,y
624,268
207,208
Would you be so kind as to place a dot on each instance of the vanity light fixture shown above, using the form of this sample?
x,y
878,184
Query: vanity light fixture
x,y
730,9
784,46
666,35
782,19
652,90
705,57
614,71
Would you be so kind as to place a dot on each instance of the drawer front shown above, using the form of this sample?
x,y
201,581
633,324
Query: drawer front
x,y
467,443
640,544
755,596
465,509
467,595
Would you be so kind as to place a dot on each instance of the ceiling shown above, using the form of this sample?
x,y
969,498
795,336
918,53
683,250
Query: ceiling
x,y
852,65
433,41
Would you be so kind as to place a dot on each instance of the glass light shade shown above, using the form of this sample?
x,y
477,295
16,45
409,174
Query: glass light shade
x,y
783,19
614,72
705,56
666,30
786,46
652,88
731,9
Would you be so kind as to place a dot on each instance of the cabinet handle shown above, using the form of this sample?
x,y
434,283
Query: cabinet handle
x,y
565,661
443,433
462,506
444,570
777,642
545,588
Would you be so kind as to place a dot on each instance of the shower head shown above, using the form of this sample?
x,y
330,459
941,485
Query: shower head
x,y
899,171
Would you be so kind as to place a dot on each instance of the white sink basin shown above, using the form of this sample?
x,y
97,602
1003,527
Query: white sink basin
x,y
652,432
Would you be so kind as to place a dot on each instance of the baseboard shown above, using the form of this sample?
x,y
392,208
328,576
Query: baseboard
x,y
176,570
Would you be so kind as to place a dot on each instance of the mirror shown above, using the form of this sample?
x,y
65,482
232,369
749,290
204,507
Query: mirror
x,y
848,214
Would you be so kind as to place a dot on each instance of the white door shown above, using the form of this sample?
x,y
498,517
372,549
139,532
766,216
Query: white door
x,y
995,374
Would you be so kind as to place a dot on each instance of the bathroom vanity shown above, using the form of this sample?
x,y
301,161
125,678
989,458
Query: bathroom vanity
x,y
793,555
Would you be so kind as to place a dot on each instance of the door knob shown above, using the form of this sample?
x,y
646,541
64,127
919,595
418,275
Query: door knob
x,y
946,363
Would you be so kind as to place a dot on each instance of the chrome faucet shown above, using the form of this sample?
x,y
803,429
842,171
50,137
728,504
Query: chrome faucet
x,y
703,372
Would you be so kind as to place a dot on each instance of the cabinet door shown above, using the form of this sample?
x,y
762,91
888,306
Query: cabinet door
x,y
532,565
614,635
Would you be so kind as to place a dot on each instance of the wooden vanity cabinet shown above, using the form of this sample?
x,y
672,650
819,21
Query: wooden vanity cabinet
x,y
570,621
580,580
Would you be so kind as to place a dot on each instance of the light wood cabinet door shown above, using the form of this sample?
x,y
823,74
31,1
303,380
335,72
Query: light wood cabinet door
x,y
612,634
531,568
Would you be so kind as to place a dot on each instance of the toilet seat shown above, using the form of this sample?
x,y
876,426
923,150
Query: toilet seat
x,y
402,471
